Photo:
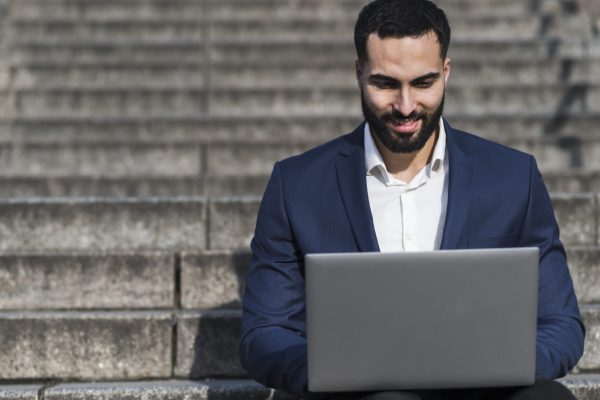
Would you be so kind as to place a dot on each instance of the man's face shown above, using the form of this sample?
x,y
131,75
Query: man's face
x,y
402,86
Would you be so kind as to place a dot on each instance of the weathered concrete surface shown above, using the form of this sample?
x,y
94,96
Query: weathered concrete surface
x,y
235,185
232,222
104,159
39,225
576,214
498,126
584,264
251,158
213,279
72,281
207,344
165,390
110,101
92,345
183,128
21,392
590,362
78,186
99,75
572,181
584,386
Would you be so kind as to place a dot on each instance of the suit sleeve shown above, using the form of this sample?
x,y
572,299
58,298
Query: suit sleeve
x,y
273,339
560,332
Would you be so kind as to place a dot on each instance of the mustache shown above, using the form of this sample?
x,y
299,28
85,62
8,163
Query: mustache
x,y
397,117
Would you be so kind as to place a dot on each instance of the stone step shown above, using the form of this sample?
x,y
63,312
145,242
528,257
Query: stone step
x,y
116,345
110,101
214,279
222,158
208,185
135,345
41,225
275,48
53,32
106,9
292,27
219,389
225,9
590,362
78,281
164,128
95,224
460,98
101,159
151,186
285,74
471,49
232,220
571,181
584,386
206,280
167,74
90,345
281,72
110,51
116,281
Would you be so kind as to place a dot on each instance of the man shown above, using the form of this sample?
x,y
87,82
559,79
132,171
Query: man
x,y
404,180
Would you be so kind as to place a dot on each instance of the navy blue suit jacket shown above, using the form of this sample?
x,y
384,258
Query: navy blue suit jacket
x,y
317,202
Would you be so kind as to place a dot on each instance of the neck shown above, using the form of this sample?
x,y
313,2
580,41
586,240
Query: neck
x,y
405,166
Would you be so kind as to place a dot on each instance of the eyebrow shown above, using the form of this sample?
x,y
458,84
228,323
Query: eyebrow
x,y
388,79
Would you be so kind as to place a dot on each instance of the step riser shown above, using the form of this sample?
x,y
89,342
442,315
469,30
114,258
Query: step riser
x,y
142,186
497,127
175,52
87,282
269,75
93,347
170,225
101,160
193,159
141,225
264,9
292,29
165,390
281,102
206,280
216,186
168,76
109,346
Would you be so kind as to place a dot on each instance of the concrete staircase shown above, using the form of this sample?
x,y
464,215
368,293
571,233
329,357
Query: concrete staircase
x,y
136,137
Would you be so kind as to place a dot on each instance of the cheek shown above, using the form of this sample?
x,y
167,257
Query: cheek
x,y
432,99
379,100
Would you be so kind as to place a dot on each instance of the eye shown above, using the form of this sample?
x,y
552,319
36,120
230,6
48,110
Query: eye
x,y
383,84
424,84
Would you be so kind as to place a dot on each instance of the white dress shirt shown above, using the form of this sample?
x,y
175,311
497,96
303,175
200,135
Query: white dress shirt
x,y
408,216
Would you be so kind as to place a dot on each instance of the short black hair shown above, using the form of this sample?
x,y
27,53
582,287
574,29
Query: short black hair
x,y
398,19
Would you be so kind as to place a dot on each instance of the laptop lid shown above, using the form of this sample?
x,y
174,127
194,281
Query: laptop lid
x,y
421,320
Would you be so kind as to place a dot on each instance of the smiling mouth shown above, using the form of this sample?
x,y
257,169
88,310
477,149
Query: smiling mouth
x,y
405,125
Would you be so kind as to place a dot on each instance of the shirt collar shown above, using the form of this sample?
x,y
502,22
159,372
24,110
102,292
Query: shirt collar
x,y
374,161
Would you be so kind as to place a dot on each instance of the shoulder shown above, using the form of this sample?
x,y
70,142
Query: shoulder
x,y
322,158
485,153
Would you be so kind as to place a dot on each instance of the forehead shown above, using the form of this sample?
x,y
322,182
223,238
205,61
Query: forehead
x,y
406,56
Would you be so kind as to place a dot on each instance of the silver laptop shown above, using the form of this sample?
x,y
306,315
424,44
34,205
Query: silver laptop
x,y
421,320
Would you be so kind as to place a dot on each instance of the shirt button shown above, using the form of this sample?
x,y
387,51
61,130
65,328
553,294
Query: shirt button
x,y
408,237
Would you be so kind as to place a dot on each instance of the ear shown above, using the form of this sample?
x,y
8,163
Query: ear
x,y
447,67
359,73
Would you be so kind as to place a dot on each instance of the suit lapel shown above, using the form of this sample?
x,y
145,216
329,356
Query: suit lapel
x,y
351,177
459,191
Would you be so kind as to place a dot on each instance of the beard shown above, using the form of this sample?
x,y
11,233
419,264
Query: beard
x,y
398,143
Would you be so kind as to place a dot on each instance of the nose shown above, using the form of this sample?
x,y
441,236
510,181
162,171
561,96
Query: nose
x,y
404,102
